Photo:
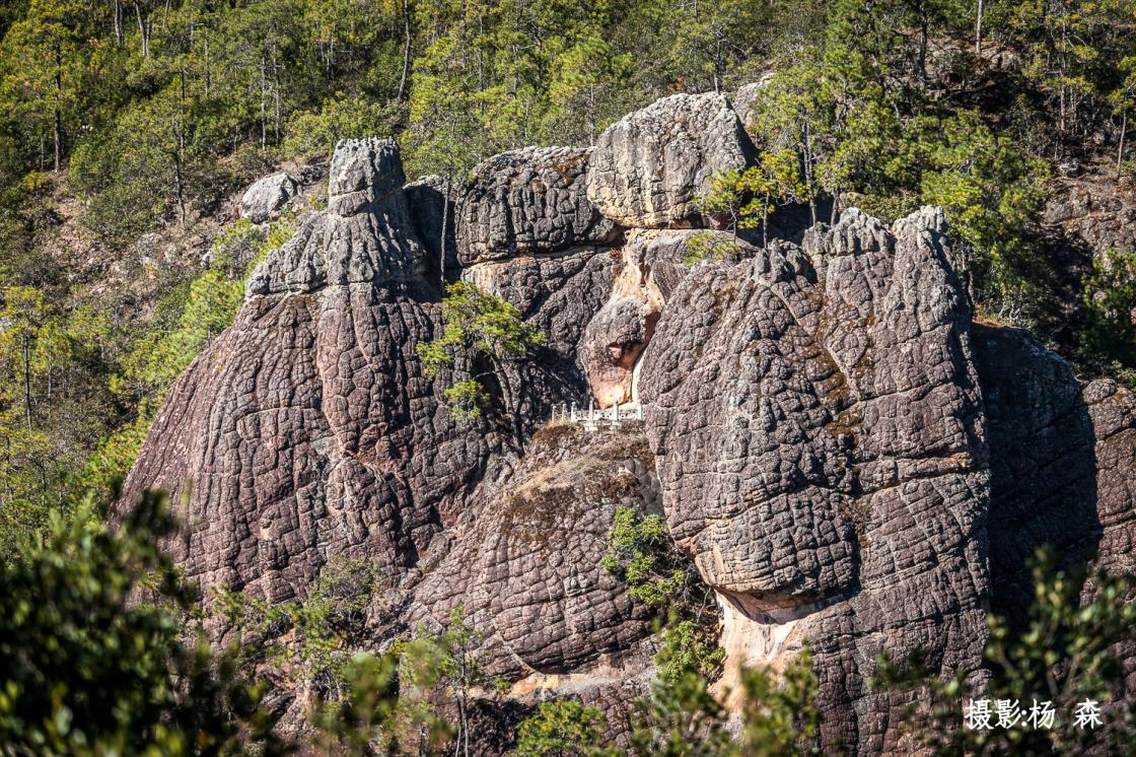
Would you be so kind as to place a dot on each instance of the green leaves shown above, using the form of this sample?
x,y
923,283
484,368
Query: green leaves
x,y
563,727
1064,652
88,670
478,327
640,552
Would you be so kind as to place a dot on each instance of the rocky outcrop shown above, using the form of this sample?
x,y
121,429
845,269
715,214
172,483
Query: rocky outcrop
x,y
649,168
529,201
433,203
308,429
820,442
647,269
527,570
1062,454
364,237
849,462
266,197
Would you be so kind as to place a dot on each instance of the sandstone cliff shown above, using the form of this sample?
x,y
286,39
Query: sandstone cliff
x,y
847,459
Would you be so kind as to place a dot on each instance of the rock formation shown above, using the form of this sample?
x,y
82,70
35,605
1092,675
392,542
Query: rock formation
x,y
848,461
649,168
266,197
821,448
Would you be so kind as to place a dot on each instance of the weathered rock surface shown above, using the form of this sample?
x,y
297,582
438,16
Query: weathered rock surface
x,y
529,201
365,236
748,95
433,205
821,447
647,269
649,168
307,429
527,569
1062,457
266,197
847,460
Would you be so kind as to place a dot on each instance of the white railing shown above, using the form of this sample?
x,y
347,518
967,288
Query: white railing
x,y
594,419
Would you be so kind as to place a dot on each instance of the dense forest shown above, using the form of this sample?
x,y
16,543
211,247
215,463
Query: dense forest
x,y
128,126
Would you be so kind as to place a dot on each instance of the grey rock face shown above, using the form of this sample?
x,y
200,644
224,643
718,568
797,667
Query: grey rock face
x,y
433,209
821,447
846,459
748,95
1062,454
365,237
267,196
647,269
529,201
649,167
558,294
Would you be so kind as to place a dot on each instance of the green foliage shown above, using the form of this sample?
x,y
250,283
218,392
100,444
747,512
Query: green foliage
x,y
1064,653
684,649
363,715
779,714
681,717
1110,302
45,356
563,727
708,245
313,134
748,197
316,638
993,196
640,552
89,671
467,398
479,328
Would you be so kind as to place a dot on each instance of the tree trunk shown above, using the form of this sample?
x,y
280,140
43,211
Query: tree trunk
x,y
765,224
403,90
809,173
1120,149
263,104
118,23
179,187
27,380
442,241
143,29
978,28
923,36
57,114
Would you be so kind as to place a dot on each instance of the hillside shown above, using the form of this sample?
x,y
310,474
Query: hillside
x,y
860,277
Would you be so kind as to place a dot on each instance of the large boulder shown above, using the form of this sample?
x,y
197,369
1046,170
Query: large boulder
x,y
529,201
649,168
266,197
821,447
364,237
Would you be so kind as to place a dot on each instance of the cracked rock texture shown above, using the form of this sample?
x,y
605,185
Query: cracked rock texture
x,y
847,459
649,168
529,201
821,447
307,429
527,571
1062,461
